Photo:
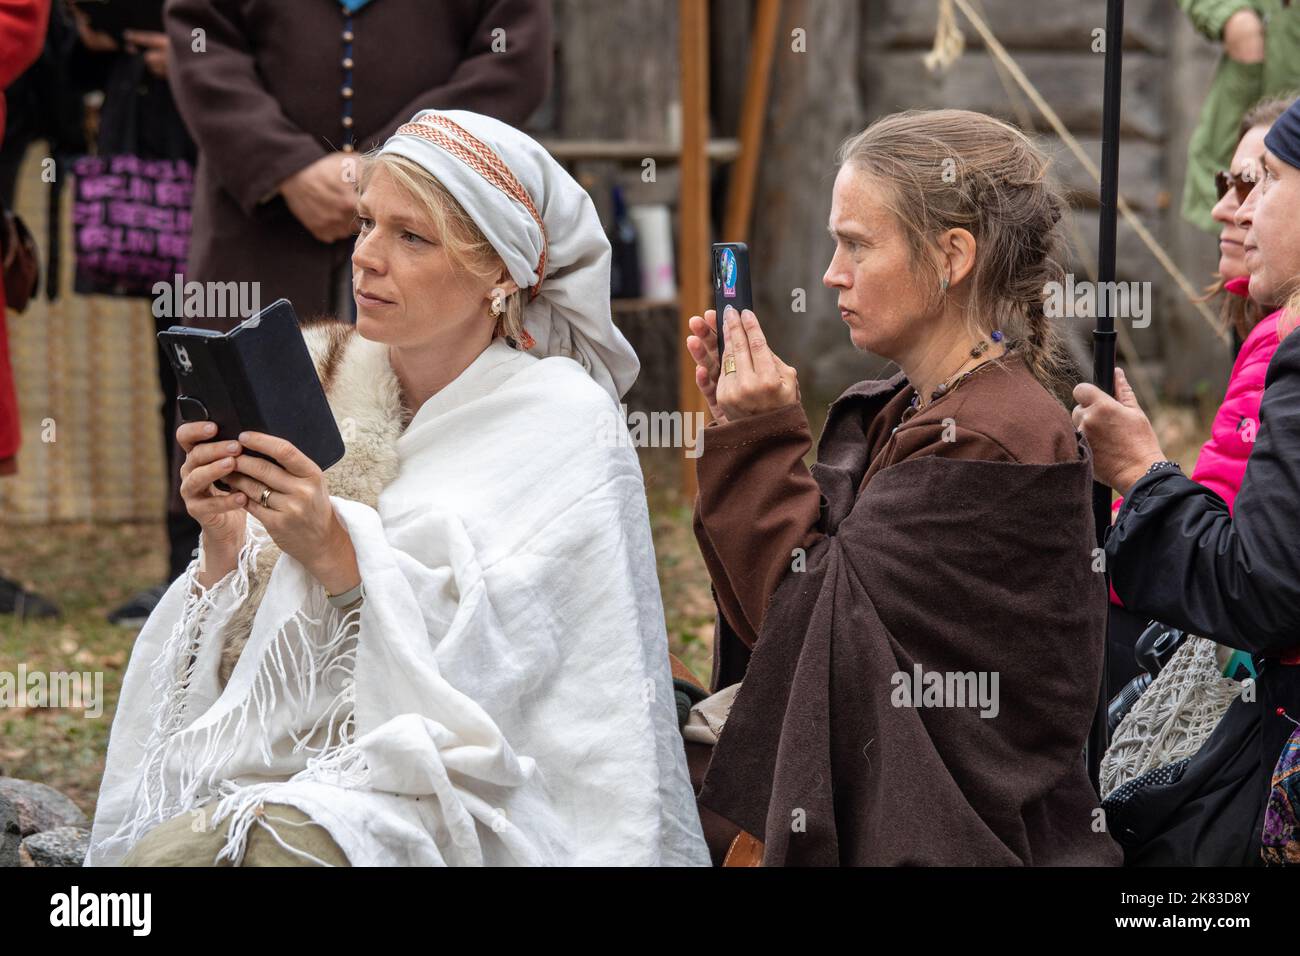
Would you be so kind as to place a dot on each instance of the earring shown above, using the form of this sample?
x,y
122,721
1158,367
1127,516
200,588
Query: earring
x,y
943,284
496,308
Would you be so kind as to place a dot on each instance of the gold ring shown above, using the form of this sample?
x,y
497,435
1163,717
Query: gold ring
x,y
266,496
728,364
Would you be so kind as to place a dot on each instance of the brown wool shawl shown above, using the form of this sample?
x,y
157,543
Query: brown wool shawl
x,y
956,566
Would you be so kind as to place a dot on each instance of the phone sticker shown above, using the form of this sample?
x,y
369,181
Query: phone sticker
x,y
728,274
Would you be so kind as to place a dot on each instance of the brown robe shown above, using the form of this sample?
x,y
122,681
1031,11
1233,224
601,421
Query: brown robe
x,y
264,100
966,555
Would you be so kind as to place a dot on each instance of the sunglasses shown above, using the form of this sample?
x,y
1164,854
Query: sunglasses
x,y
1243,184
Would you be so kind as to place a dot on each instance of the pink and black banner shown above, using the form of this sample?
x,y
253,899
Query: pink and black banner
x,y
131,222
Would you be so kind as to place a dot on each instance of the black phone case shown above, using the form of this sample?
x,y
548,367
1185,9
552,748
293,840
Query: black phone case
x,y
258,377
730,262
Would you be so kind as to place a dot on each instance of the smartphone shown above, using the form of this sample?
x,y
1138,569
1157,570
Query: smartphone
x,y
259,377
730,282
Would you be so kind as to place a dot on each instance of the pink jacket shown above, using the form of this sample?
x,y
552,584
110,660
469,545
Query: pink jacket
x,y
1222,461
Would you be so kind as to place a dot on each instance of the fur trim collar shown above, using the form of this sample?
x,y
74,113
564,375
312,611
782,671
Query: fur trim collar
x,y
365,397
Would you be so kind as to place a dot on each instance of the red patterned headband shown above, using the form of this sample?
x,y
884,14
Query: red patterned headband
x,y
480,157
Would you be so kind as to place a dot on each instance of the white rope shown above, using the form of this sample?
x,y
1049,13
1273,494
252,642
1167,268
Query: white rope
x,y
949,41
301,854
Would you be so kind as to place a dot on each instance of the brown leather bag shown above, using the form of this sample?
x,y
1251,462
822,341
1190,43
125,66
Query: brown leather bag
x,y
21,265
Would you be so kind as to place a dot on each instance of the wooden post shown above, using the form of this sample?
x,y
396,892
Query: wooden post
x,y
753,111
693,213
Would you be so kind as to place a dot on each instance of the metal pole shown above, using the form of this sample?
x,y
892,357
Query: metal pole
x,y
1103,336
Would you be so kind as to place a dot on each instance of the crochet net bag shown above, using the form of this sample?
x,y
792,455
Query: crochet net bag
x,y
1173,718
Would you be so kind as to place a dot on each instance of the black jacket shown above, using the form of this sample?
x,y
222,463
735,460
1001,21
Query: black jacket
x,y
1177,555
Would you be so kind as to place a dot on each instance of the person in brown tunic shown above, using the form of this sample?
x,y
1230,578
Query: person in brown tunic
x,y
278,95
918,619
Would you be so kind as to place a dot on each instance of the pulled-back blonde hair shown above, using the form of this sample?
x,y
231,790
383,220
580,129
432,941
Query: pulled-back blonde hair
x,y
467,247
949,169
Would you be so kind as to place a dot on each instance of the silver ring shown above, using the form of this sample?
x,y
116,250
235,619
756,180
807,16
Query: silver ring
x,y
266,496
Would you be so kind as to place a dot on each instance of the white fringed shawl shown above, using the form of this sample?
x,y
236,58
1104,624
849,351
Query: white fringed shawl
x,y
502,696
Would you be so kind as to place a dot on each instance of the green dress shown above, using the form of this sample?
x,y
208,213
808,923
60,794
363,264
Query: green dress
x,y
1235,89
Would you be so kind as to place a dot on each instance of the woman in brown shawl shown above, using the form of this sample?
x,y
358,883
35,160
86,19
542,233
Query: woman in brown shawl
x,y
923,607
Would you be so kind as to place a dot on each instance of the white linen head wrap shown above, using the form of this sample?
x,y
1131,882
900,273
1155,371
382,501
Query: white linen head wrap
x,y
568,314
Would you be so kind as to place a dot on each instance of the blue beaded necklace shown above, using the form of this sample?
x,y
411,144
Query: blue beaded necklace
x,y
947,386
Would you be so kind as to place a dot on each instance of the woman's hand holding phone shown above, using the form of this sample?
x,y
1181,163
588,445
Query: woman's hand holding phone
x,y
702,345
760,383
299,515
220,514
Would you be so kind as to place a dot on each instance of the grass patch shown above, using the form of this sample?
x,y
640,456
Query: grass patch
x,y
87,570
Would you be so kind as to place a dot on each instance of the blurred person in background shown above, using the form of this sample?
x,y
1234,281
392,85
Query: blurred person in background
x,y
280,95
1261,58
22,34
139,117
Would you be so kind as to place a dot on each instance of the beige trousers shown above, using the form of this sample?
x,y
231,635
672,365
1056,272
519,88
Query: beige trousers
x,y
191,840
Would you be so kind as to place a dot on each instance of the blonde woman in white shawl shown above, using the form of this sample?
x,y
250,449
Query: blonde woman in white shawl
x,y
448,648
